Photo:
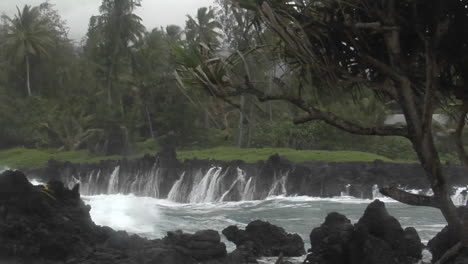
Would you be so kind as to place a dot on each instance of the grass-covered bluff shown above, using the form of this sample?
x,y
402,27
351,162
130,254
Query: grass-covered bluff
x,y
37,158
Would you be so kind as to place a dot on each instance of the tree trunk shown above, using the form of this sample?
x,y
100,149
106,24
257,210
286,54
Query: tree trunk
x,y
109,85
110,73
122,109
424,146
249,135
148,118
28,80
207,119
270,89
241,122
457,136
419,124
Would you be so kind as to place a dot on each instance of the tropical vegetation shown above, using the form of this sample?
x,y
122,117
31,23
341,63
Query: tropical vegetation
x,y
124,85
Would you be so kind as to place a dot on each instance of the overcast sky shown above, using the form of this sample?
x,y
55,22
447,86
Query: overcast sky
x,y
155,13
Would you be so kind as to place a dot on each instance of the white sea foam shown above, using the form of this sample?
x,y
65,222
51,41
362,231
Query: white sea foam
x,y
152,218
36,182
3,168
142,214
272,260
125,212
460,197
336,199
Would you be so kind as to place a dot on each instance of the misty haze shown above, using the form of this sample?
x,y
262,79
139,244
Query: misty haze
x,y
233,132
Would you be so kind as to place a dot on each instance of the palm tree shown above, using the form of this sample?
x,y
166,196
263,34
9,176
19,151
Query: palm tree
x,y
118,29
203,28
174,33
27,35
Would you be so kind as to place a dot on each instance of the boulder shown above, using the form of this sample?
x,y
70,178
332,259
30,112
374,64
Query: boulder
x,y
203,245
263,239
38,222
51,224
330,241
377,238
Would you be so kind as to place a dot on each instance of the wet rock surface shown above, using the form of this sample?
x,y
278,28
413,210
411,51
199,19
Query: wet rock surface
x,y
275,176
51,224
376,238
261,238
330,241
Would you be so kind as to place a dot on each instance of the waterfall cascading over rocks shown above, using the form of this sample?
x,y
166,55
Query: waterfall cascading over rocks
x,y
201,181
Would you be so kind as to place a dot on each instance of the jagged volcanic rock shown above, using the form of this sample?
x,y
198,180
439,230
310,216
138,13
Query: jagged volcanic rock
x,y
263,239
156,176
51,224
377,238
330,241
203,245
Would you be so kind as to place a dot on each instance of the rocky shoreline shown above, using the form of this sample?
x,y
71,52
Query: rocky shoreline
x,y
163,176
51,224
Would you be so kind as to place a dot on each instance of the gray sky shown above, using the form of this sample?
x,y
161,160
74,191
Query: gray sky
x,y
155,13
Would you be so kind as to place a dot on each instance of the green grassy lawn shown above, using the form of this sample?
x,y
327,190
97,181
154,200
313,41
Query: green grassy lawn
x,y
256,154
36,158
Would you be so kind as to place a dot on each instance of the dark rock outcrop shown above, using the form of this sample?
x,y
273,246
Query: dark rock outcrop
x,y
48,223
330,241
377,238
203,245
276,176
263,239
51,224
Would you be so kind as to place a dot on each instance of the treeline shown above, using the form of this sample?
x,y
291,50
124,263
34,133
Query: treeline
x,y
116,91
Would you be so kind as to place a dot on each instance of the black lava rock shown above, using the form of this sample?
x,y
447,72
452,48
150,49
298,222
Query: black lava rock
x,y
377,238
261,238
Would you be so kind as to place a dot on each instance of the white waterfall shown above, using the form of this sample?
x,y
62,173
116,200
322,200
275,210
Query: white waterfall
x,y
113,185
175,193
376,192
213,187
73,182
460,197
90,182
248,191
98,175
135,185
346,193
204,190
239,183
151,188
430,192
94,186
279,186
87,183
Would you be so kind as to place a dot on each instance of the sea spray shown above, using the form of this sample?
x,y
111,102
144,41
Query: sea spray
x,y
175,192
113,181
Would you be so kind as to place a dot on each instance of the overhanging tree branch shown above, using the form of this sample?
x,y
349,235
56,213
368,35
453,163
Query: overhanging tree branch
x,y
409,198
330,118
351,127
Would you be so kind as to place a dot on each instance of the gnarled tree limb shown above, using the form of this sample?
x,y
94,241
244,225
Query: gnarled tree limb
x,y
409,198
328,117
449,254
351,127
